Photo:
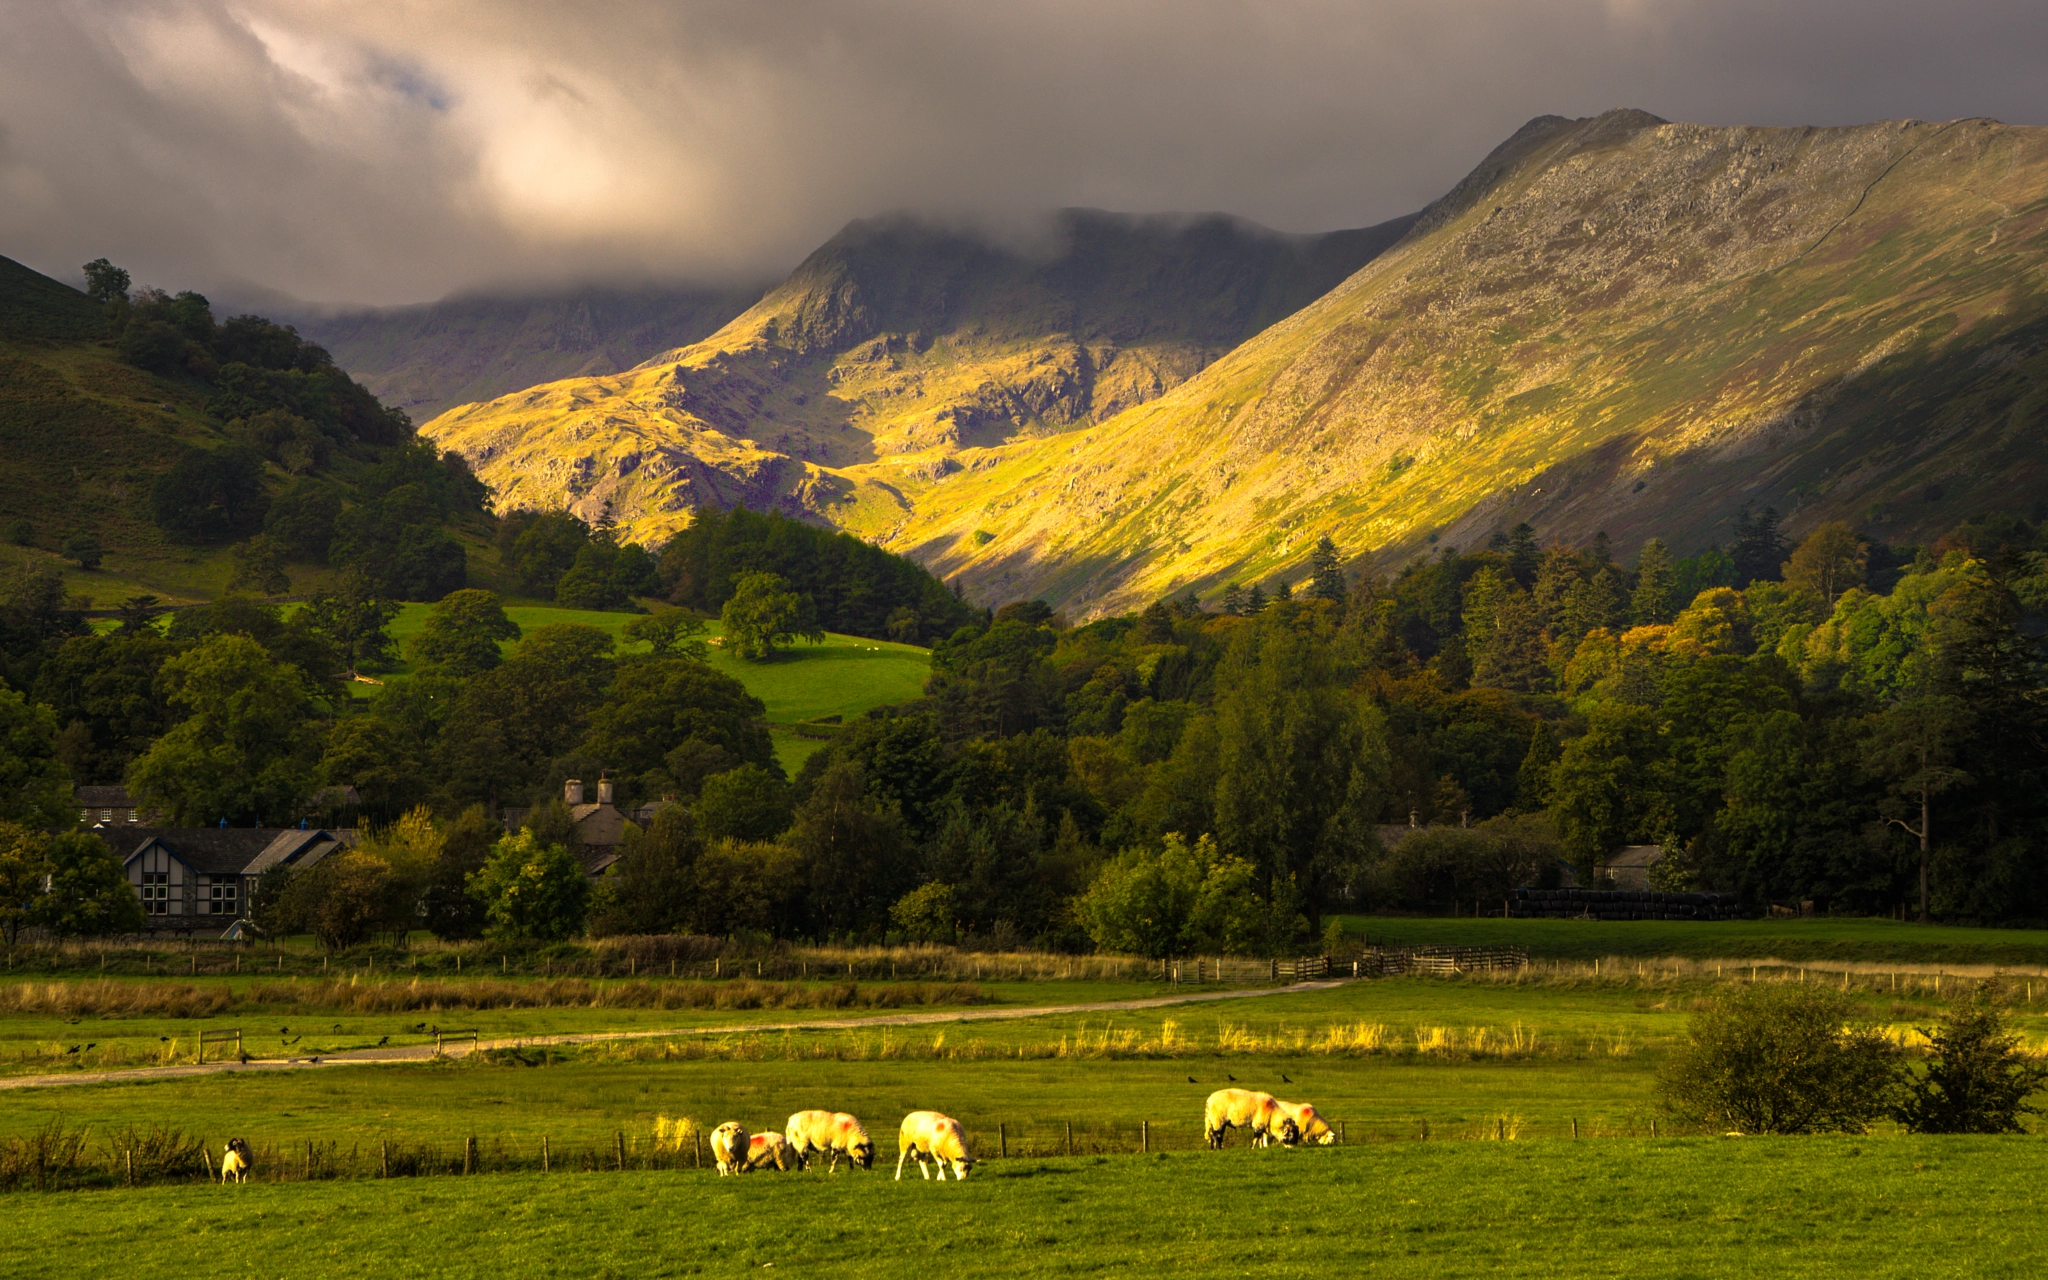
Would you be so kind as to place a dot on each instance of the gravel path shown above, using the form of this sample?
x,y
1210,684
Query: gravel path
x,y
425,1052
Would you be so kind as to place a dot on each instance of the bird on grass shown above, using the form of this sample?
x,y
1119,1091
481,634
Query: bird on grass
x,y
1284,1079
163,1039
284,1031
381,1043
73,1049
1229,1077
419,1026
89,1048
1192,1080
315,1059
337,1026
295,1039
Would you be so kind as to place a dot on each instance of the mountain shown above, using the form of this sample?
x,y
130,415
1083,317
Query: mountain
x,y
1615,324
426,359
898,354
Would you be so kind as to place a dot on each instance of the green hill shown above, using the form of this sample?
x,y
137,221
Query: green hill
x,y
428,359
895,356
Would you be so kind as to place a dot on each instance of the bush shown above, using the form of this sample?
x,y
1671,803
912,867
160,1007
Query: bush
x,y
1776,1059
927,913
531,890
83,550
1978,1081
340,900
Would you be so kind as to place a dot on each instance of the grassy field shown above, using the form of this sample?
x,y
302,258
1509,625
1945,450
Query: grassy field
x,y
1678,1208
844,676
1873,941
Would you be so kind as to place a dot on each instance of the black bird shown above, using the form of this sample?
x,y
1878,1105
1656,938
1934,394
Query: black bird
x,y
1284,1079
419,1026
381,1043
1192,1080
295,1039
163,1039
284,1031
337,1026
72,1049
315,1058
89,1048
1229,1077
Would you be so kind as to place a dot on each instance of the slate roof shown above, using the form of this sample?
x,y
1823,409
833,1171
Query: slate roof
x,y
219,851
114,797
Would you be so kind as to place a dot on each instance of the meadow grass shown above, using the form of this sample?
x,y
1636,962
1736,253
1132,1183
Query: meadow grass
x,y
1884,1206
1869,940
845,676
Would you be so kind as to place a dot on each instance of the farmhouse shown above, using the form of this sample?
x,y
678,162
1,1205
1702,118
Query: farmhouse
x,y
192,878
1629,868
109,807
600,824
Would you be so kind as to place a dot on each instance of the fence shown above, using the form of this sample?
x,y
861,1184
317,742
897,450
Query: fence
x,y
1239,969
220,1037
1387,962
1622,904
443,1035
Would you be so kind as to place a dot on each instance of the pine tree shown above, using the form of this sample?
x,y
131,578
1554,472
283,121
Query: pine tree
x,y
1524,557
1651,606
1603,549
1561,572
1281,591
1254,602
1759,549
1326,573
1233,600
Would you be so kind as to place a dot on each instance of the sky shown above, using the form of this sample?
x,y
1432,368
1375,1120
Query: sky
x,y
389,151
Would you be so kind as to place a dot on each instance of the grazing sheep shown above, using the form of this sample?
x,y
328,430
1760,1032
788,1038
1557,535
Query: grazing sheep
x,y
1257,1113
1308,1124
729,1147
769,1150
236,1162
829,1132
927,1135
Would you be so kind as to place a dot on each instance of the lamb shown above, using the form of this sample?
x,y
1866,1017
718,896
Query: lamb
x,y
236,1162
1258,1113
729,1147
1309,1125
768,1150
927,1135
829,1132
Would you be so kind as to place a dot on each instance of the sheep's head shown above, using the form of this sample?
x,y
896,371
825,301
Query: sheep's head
x,y
863,1153
1289,1132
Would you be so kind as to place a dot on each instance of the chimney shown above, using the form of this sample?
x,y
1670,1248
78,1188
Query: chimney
x,y
604,789
572,792
1412,815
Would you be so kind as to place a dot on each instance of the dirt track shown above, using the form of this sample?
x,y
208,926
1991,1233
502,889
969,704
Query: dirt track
x,y
425,1052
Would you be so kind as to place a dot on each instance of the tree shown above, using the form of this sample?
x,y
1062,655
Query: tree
x,y
462,634
532,891
851,851
658,703
259,566
1326,572
1779,1059
747,803
88,893
1522,555
927,914
1828,562
1979,1078
105,282
353,620
24,862
83,550
1175,900
211,496
137,616
1758,549
671,633
652,888
447,907
1603,789
242,751
340,899
1913,747
1652,603
35,788
762,614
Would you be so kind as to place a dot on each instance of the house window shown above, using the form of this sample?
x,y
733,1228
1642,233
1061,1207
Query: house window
x,y
156,892
106,815
84,816
131,815
220,897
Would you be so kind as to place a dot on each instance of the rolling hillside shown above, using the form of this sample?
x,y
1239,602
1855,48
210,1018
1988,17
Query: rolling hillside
x,y
427,359
896,356
1614,323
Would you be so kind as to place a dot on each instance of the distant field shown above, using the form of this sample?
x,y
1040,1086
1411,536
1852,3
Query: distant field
x,y
845,676
1816,939
1642,1208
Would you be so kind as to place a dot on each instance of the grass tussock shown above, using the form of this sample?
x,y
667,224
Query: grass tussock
x,y
57,1157
111,999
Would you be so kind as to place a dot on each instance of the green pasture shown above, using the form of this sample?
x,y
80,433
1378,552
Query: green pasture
x,y
1863,1207
1868,940
844,676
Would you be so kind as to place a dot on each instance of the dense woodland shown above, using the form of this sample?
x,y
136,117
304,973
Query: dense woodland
x,y
1828,725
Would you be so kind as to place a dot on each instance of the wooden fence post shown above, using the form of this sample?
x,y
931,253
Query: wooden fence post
x,y
1343,1138
620,1139
308,1172
469,1154
697,1150
1145,1137
1575,1126
384,1158
1003,1140
1070,1137
130,1153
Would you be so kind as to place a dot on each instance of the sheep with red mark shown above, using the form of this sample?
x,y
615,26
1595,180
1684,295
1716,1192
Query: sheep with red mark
x,y
929,1136
769,1151
1309,1124
1258,1114
829,1133
236,1162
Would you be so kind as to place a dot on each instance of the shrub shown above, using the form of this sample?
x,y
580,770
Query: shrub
x,y
84,550
1978,1080
926,913
532,890
1774,1059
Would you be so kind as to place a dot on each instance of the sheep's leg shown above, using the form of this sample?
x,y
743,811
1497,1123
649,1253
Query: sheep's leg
x,y
900,1154
926,1169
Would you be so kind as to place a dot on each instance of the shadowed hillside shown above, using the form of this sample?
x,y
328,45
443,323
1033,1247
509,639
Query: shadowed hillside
x,y
894,357
427,359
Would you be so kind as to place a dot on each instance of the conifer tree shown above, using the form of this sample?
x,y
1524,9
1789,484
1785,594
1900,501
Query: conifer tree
x,y
1233,600
1326,573
1651,605
1759,549
1281,591
1524,556
1254,601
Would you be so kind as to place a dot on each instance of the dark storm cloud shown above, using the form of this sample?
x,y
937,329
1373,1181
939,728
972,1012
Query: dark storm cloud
x,y
395,151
